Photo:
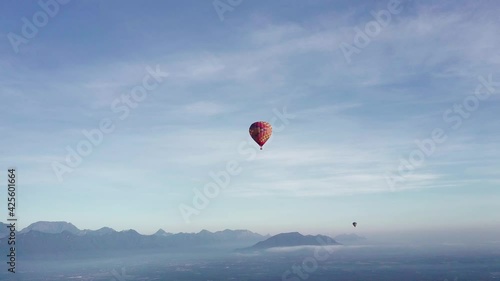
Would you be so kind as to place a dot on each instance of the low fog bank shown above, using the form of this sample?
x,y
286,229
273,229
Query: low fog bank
x,y
477,236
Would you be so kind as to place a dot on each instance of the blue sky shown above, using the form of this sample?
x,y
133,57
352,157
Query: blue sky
x,y
353,121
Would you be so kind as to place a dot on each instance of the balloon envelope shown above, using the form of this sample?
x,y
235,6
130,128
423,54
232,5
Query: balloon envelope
x,y
354,224
260,132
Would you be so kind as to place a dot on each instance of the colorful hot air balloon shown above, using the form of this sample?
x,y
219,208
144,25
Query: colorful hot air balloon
x,y
260,132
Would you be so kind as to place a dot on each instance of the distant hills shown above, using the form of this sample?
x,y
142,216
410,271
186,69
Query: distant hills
x,y
46,237
162,232
4,231
52,227
64,237
99,232
290,240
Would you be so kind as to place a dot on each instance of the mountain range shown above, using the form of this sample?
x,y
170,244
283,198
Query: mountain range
x,y
62,237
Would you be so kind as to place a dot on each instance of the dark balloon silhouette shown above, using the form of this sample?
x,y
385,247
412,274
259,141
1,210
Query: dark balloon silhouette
x,y
354,224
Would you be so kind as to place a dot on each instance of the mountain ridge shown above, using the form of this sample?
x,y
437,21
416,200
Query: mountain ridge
x,y
54,227
291,239
63,237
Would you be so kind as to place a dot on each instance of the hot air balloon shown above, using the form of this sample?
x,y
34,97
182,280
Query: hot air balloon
x,y
260,132
354,224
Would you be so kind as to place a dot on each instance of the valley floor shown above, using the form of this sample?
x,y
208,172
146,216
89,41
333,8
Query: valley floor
x,y
452,263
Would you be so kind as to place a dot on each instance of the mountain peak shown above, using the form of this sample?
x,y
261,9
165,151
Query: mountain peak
x,y
291,239
52,227
104,230
291,234
131,232
162,232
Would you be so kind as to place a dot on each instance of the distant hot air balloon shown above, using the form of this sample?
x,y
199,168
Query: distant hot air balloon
x,y
354,224
260,132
